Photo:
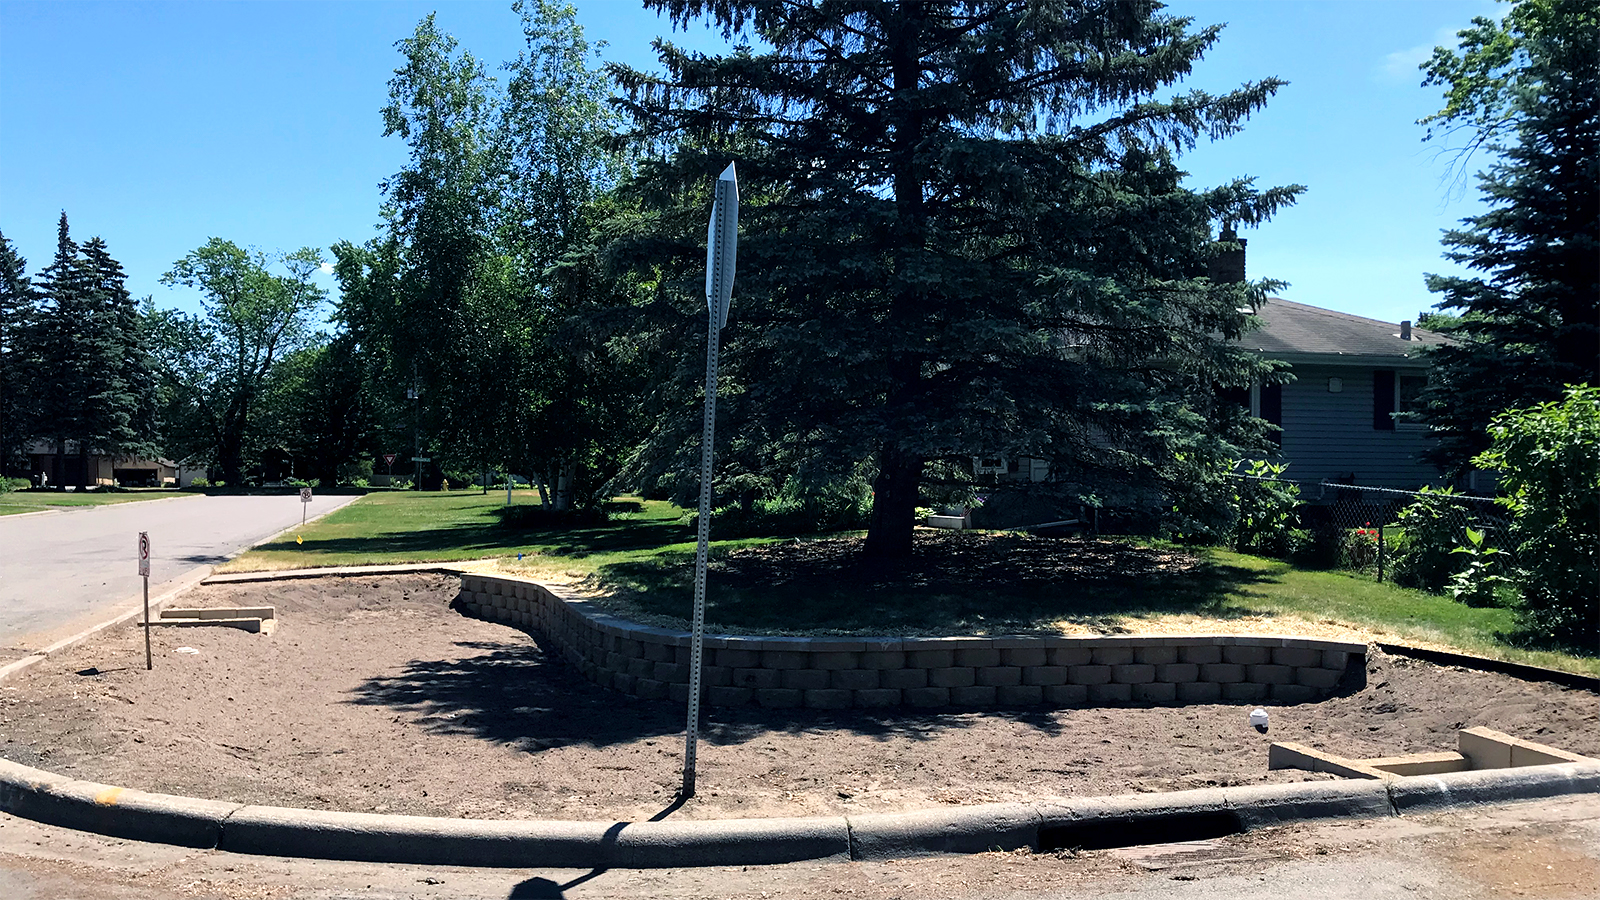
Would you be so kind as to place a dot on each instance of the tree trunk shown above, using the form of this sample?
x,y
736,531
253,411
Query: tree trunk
x,y
894,505
83,469
565,476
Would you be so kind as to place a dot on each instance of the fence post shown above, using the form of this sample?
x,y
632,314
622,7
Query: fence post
x,y
1380,552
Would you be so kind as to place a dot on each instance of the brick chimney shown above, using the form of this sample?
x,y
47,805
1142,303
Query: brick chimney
x,y
1228,266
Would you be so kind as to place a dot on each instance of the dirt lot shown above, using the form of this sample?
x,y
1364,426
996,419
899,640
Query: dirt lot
x,y
374,696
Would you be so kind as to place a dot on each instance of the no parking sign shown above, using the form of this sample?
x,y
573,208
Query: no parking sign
x,y
144,553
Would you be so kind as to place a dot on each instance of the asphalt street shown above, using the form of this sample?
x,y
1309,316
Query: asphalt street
x,y
62,569
1539,850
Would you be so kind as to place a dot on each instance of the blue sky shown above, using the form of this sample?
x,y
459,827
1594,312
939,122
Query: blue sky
x,y
159,125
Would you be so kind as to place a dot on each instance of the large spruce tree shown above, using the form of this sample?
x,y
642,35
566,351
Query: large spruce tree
x,y
965,233
91,386
17,309
1527,89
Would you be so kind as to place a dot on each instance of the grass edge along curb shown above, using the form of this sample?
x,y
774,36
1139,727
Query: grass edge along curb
x,y
366,837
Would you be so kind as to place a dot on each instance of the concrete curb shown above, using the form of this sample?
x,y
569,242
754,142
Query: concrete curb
x,y
275,831
134,611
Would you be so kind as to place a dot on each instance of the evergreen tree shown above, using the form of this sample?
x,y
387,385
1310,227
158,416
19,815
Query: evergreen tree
x,y
67,384
17,314
126,421
965,235
1530,324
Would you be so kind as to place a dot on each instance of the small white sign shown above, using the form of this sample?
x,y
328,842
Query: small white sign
x,y
305,495
144,553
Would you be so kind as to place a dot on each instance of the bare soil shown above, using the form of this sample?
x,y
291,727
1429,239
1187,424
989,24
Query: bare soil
x,y
374,695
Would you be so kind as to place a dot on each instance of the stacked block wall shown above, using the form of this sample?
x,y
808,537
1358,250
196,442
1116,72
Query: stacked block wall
x,y
955,672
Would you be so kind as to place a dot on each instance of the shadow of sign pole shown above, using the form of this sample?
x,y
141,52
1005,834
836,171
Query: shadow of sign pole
x,y
722,243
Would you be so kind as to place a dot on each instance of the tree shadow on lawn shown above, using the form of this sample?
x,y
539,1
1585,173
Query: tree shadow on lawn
x,y
490,537
956,584
514,694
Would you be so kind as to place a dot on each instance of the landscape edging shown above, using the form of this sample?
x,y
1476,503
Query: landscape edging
x,y
368,837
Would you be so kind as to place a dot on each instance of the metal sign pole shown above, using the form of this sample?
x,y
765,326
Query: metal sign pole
x,y
144,572
721,246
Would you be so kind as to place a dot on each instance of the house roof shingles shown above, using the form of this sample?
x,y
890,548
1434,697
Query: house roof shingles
x,y
1291,329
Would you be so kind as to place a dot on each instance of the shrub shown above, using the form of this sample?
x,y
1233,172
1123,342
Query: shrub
x,y
7,485
1478,584
539,518
1265,522
842,505
1431,529
1358,548
1548,457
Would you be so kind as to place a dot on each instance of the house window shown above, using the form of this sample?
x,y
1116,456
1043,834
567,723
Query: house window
x,y
1408,397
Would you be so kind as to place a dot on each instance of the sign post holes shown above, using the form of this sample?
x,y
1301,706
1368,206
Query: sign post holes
x,y
144,572
305,499
722,244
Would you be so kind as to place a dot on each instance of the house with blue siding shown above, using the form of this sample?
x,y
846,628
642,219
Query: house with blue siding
x,y
1352,377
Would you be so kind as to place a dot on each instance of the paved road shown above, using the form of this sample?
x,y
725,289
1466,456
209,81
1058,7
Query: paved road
x,y
1544,850
60,569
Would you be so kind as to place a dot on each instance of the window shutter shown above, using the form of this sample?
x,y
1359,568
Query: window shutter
x,y
1383,400
1272,408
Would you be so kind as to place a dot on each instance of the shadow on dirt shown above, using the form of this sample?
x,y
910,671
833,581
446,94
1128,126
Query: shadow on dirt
x,y
513,694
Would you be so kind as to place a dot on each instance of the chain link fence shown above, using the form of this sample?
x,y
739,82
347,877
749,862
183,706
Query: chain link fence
x,y
1420,539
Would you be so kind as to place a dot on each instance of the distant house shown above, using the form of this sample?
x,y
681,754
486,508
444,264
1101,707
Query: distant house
x,y
1353,375
47,468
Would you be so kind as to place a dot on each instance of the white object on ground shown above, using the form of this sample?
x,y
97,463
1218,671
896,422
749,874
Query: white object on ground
x,y
186,650
1258,718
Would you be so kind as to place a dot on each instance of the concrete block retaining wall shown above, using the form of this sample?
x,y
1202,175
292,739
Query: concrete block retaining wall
x,y
957,672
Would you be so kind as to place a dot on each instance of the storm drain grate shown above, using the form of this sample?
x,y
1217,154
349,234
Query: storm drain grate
x,y
1104,834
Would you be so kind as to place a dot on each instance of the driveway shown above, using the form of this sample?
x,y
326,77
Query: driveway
x,y
59,570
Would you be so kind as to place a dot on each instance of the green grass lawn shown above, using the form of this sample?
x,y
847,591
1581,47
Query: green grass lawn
x,y
412,526
1271,587
642,560
33,501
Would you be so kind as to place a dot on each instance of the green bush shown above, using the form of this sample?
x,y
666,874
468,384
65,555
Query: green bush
x,y
1479,583
1358,549
1265,522
838,506
7,485
1548,457
540,518
1431,529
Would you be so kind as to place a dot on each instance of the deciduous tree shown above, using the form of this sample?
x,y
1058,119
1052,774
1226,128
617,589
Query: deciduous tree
x,y
216,366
